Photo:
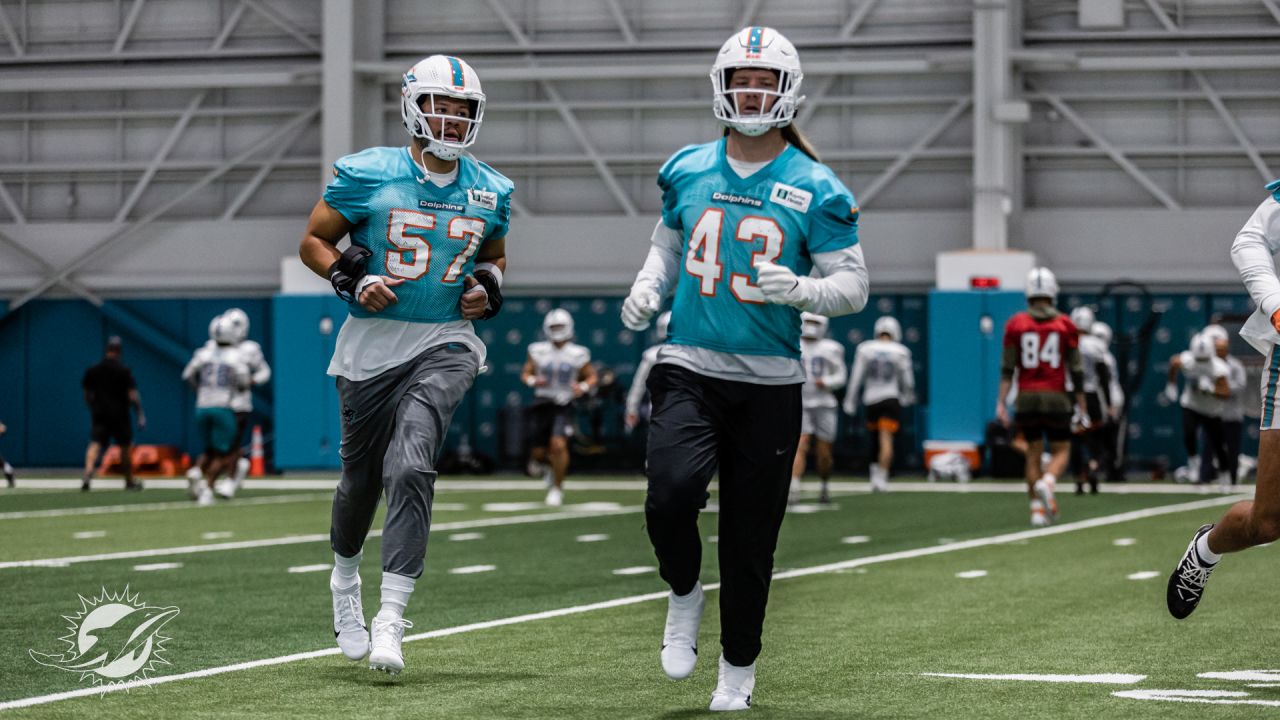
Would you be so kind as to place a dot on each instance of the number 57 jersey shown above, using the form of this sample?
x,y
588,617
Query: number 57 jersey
x,y
784,213
419,232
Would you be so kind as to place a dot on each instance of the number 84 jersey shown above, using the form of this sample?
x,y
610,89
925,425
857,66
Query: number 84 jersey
x,y
784,213
1041,348
417,231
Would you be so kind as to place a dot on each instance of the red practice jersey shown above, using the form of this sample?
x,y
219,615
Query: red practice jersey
x,y
1041,350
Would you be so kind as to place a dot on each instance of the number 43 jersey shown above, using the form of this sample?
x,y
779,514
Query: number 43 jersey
x,y
416,231
784,213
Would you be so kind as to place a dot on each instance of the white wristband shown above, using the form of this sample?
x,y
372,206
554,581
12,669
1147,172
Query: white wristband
x,y
365,282
531,380
492,270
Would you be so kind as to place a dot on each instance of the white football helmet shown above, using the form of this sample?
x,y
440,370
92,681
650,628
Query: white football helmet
x,y
239,321
757,47
1082,318
663,322
213,328
888,325
558,325
813,326
1216,332
450,77
223,331
1102,331
1042,284
1201,346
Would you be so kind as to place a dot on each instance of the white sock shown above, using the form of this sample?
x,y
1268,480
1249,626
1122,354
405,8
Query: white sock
x,y
8,469
242,469
1202,549
346,571
1049,479
688,599
396,590
1037,506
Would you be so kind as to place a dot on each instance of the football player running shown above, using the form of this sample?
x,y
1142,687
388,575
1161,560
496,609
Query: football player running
x,y
428,227
1203,400
242,401
825,373
744,219
1232,406
637,392
1088,449
1041,347
217,372
559,371
883,379
1251,522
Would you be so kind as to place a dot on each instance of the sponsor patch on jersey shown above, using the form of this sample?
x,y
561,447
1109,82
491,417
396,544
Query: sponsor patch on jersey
x,y
483,198
436,205
718,196
791,197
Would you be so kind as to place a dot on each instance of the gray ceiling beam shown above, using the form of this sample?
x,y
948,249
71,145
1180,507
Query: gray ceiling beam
x,y
1233,125
262,52
268,166
1273,8
161,154
228,27
508,22
11,34
867,196
525,72
1116,155
127,28
749,12
71,168
117,237
157,78
620,17
48,269
846,31
1162,16
584,140
12,206
283,23
703,46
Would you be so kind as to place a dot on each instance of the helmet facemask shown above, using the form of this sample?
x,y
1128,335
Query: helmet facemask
x,y
727,100
417,121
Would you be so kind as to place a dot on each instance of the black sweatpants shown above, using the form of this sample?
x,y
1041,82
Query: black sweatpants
x,y
748,433
1192,421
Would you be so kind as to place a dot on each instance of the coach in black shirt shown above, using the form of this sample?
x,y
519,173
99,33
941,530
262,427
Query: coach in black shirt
x,y
109,391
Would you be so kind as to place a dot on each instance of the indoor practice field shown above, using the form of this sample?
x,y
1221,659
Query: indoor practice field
x,y
880,601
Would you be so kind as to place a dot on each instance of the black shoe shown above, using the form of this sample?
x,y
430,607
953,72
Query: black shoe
x,y
1186,584
824,496
10,478
133,486
1093,486
1079,488
84,485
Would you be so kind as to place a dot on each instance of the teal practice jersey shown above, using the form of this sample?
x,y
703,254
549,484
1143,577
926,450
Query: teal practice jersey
x,y
785,213
425,234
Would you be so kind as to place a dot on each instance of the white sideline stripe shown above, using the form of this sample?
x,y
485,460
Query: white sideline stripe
x,y
143,507
299,539
632,600
837,486
1103,679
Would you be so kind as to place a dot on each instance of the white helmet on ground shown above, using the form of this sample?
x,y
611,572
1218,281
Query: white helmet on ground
x,y
1201,346
813,326
1216,332
1082,318
239,321
756,47
888,325
449,77
558,325
1042,284
664,321
1102,331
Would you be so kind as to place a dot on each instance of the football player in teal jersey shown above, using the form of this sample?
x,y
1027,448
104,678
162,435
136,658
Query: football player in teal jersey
x,y
428,228
744,220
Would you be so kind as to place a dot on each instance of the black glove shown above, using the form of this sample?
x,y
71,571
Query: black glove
x,y
347,271
493,290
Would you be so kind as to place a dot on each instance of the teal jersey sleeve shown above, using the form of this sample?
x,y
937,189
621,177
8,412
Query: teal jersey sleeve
x,y
835,224
353,184
670,178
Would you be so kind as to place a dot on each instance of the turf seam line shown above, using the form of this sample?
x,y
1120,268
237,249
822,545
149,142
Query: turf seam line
x,y
636,599
313,537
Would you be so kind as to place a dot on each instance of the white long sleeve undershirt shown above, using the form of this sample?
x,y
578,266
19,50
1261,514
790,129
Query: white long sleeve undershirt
x,y
1252,252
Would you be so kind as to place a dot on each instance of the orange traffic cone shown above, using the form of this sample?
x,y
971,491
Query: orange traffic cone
x,y
257,461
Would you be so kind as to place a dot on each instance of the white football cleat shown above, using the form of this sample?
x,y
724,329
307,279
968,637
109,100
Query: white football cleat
x,y
384,653
205,498
555,497
879,479
680,637
733,690
225,488
1044,492
195,480
348,621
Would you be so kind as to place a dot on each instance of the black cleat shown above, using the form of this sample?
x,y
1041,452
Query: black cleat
x,y
134,486
824,496
1186,584
84,485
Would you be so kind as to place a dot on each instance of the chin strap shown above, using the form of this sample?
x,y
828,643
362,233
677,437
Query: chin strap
x,y
422,165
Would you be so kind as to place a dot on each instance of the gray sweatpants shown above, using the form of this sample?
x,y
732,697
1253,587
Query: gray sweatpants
x,y
393,426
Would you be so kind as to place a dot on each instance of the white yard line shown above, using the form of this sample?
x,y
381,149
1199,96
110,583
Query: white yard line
x,y
146,507
313,537
857,487
633,600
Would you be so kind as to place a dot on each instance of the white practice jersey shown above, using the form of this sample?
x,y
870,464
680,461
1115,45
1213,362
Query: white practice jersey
x,y
1233,408
259,373
823,359
1094,359
1252,253
218,372
635,395
883,369
1200,376
559,367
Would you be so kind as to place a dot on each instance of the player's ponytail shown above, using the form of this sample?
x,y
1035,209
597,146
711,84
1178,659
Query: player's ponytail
x,y
792,134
